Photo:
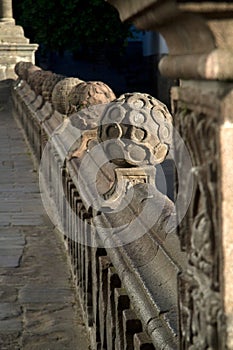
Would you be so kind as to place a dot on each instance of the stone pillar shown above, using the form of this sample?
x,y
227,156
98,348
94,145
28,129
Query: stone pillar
x,y
6,13
199,35
14,47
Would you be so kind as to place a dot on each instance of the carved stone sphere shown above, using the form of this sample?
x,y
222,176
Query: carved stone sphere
x,y
136,129
21,69
89,93
87,118
49,84
37,79
31,70
60,94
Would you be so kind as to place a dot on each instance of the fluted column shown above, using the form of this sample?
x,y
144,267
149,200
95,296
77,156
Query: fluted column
x,y
6,12
199,35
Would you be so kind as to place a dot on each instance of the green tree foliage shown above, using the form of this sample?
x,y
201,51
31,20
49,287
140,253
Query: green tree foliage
x,y
70,24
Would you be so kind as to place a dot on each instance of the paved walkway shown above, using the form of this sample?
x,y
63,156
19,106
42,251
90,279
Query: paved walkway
x,y
38,308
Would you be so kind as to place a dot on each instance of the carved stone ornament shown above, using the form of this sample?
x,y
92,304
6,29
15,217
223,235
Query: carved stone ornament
x,y
36,80
61,92
25,70
136,130
21,69
201,314
88,118
30,71
89,93
49,84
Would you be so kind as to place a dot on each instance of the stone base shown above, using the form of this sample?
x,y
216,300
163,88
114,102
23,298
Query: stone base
x,y
10,54
10,33
14,47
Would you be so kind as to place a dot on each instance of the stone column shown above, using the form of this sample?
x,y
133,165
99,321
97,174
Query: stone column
x,y
199,36
6,13
14,47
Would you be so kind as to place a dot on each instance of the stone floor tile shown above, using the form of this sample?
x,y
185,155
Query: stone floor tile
x,y
38,305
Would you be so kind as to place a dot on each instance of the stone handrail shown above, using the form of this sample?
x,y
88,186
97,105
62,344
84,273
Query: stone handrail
x,y
97,157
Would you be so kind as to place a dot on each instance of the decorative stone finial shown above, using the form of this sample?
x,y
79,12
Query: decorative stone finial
x,y
89,94
49,84
21,69
138,130
30,71
124,139
60,94
37,79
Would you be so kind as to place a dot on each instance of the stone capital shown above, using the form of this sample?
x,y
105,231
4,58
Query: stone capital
x,y
198,34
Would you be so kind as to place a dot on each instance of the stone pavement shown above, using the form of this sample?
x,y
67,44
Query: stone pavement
x,y
38,305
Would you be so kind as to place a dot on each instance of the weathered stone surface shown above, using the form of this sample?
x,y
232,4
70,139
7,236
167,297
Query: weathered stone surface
x,y
140,128
14,47
199,37
21,69
142,342
6,13
134,263
88,94
200,286
30,71
226,144
7,310
49,84
113,283
13,53
12,34
36,80
60,94
38,306
200,54
131,325
122,303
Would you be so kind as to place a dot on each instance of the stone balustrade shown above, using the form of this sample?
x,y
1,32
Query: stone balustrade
x,y
99,162
98,158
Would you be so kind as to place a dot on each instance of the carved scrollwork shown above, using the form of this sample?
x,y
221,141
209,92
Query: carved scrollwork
x,y
201,312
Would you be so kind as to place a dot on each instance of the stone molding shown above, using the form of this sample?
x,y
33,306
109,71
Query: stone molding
x,y
12,34
200,32
12,53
